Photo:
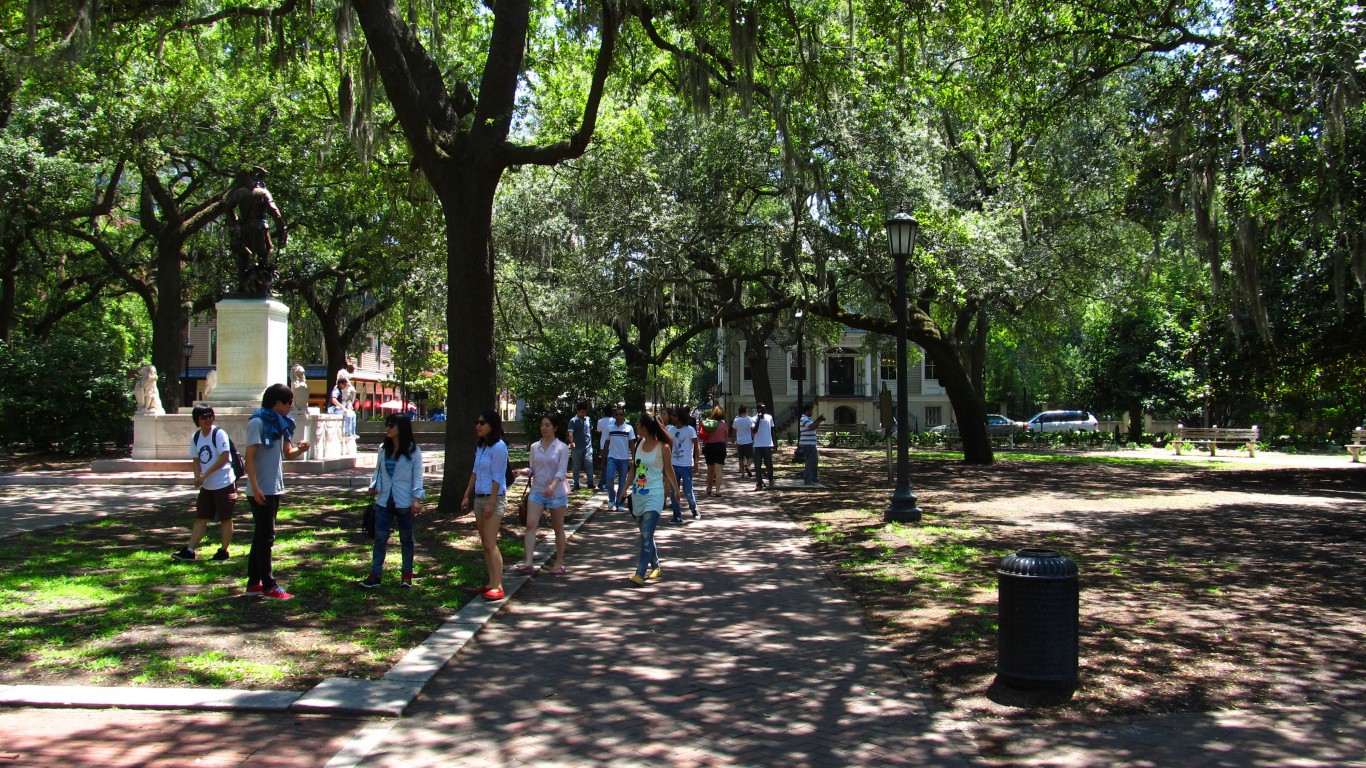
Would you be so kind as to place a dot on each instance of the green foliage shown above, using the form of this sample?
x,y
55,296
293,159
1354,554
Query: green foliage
x,y
65,393
571,366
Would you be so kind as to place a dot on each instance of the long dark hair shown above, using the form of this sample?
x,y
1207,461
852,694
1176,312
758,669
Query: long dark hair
x,y
406,443
650,424
495,428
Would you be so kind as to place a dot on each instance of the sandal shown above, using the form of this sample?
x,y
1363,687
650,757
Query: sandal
x,y
526,570
494,594
560,571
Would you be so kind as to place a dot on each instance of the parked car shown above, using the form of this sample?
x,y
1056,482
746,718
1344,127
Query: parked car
x,y
1063,421
996,424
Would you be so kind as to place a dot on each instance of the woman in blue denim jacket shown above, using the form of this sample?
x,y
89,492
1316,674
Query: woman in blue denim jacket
x,y
397,488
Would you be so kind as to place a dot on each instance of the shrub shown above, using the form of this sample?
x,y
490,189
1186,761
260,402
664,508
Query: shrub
x,y
66,394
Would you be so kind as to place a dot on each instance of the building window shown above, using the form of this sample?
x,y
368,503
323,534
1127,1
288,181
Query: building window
x,y
934,415
746,372
888,367
213,346
931,371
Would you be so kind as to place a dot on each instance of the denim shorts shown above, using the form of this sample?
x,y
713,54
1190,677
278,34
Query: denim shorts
x,y
550,502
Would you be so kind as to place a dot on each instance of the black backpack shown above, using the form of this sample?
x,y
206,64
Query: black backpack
x,y
239,467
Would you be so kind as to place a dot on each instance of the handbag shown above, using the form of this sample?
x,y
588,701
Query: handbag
x,y
521,505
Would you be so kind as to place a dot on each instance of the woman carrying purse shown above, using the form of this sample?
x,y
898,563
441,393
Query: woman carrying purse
x,y
397,488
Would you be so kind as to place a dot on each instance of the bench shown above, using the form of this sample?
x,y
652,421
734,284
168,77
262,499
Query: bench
x,y
834,432
1213,437
995,432
1358,444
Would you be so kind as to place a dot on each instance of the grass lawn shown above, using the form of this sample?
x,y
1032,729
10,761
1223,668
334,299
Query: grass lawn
x,y
1203,586
103,603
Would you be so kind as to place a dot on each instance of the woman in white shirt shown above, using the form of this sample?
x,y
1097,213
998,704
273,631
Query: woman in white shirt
x,y
549,472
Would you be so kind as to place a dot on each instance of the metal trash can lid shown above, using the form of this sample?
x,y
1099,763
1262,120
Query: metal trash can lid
x,y
1038,564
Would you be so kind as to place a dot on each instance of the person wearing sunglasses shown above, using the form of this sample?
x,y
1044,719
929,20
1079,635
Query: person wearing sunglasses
x,y
397,488
486,494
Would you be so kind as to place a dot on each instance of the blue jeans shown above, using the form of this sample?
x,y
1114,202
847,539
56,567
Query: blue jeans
x,y
387,518
812,462
616,469
685,478
649,553
581,460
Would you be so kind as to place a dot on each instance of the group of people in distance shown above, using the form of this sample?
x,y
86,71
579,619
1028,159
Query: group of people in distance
x,y
647,466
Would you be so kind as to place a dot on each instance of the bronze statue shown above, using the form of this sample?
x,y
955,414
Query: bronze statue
x,y
249,207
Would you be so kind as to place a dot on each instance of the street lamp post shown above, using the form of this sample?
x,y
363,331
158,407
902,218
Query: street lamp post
x,y
901,231
800,453
188,349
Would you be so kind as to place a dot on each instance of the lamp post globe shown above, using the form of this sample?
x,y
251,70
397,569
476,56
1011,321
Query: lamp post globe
x,y
902,229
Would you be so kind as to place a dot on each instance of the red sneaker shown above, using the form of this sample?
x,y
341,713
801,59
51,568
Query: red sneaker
x,y
407,582
255,590
494,594
277,593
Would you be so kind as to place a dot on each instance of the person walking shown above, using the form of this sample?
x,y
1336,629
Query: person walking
x,y
763,445
549,490
486,494
806,438
211,449
620,436
743,431
686,452
714,432
604,429
654,472
581,447
397,488
270,440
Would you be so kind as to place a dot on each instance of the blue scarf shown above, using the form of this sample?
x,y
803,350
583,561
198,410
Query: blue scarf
x,y
274,425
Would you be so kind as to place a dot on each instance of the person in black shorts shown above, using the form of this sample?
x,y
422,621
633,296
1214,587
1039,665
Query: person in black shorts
x,y
217,484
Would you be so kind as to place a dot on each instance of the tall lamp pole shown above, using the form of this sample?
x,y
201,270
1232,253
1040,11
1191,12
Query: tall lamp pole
x,y
188,349
800,453
901,231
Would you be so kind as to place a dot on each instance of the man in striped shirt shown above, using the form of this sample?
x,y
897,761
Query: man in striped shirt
x,y
806,438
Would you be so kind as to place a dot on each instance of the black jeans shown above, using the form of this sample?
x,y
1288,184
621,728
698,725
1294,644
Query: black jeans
x,y
262,539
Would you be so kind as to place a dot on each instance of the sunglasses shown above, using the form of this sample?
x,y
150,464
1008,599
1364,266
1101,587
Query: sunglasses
x,y
479,422
391,425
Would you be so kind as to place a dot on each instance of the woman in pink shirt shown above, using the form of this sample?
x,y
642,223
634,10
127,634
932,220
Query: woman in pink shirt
x,y
714,431
549,472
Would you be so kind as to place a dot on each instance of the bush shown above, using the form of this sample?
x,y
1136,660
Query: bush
x,y
65,394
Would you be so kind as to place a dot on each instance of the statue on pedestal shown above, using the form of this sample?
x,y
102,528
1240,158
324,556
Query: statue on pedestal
x,y
145,392
298,382
249,208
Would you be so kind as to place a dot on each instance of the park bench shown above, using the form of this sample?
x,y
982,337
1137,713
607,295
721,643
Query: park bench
x,y
995,433
834,432
1358,444
1213,437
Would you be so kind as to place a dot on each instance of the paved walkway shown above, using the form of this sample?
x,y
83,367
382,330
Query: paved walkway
x,y
744,654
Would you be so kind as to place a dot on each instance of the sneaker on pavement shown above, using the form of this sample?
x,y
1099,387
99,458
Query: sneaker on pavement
x,y
654,573
370,581
185,554
696,515
277,593
407,582
637,579
220,555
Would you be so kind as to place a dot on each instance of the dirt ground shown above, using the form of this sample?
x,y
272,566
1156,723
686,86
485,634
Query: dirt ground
x,y
1203,586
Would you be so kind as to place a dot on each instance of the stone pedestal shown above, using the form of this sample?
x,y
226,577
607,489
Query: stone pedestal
x,y
167,437
253,351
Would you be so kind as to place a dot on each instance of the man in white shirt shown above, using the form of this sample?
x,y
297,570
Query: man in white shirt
x,y
620,436
743,432
686,453
763,445
603,428
210,449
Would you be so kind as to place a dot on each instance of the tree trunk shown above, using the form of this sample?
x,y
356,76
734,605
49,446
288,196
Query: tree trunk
x,y
168,324
1135,421
471,368
967,401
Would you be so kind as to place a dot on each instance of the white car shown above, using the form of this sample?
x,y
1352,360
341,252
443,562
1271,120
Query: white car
x,y
1063,421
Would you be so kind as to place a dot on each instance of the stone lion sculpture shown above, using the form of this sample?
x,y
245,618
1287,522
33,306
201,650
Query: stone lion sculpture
x,y
145,392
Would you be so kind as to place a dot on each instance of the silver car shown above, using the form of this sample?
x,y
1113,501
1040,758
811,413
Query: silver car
x,y
1063,421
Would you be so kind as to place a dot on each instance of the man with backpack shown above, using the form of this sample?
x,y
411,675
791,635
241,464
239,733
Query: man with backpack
x,y
212,452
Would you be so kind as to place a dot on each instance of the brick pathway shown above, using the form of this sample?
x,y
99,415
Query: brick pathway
x,y
74,738
743,654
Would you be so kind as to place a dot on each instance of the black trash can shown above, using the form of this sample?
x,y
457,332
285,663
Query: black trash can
x,y
1038,602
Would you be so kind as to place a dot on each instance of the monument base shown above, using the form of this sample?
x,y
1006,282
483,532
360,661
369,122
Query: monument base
x,y
167,436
